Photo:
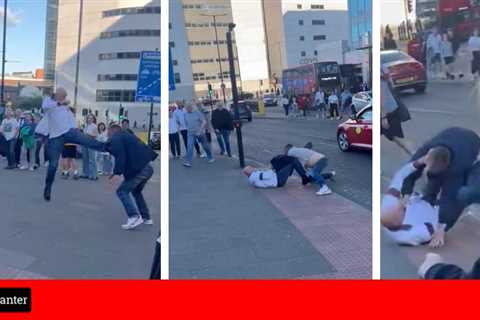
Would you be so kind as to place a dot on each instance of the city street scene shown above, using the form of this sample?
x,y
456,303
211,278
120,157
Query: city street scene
x,y
79,137
270,134
429,101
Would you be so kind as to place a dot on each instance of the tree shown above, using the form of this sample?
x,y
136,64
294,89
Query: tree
x,y
29,103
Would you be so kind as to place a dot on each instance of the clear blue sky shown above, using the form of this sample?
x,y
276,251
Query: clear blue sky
x,y
25,34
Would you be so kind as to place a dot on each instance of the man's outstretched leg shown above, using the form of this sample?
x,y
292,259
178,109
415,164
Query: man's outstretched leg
x,y
75,136
54,149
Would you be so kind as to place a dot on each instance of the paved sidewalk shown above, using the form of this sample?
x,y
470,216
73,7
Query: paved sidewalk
x,y
75,236
223,228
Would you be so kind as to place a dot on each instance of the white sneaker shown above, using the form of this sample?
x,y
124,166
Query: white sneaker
x,y
203,155
23,167
431,259
148,222
132,223
324,191
31,168
211,161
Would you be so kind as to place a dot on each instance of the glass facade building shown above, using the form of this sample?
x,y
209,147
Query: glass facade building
x,y
360,16
50,39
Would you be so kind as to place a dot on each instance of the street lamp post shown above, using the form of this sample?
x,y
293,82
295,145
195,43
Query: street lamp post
x,y
214,17
233,80
2,92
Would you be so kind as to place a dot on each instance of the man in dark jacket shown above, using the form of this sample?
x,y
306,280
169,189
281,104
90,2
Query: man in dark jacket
x,y
132,161
222,123
446,160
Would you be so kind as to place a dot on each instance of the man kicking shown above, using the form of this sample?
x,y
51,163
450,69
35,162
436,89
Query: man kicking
x,y
445,160
277,177
62,130
132,161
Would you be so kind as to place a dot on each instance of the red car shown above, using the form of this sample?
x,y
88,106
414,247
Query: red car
x,y
357,131
402,71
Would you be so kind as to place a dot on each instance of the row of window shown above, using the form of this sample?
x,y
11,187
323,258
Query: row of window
x,y
313,6
115,95
119,55
134,10
315,22
304,53
130,33
200,7
209,60
206,24
202,77
208,43
117,77
315,37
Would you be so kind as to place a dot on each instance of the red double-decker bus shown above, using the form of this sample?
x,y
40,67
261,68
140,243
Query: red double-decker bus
x,y
460,16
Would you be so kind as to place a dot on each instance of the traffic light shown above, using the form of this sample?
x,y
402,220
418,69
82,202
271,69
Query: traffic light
x,y
126,114
210,89
120,112
410,6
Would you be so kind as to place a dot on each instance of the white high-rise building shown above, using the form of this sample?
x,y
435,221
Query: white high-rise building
x,y
98,45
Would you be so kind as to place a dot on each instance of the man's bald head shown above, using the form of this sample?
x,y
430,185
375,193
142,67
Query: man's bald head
x,y
60,94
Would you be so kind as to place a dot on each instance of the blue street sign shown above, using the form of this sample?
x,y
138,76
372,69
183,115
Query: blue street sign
x,y
148,83
171,75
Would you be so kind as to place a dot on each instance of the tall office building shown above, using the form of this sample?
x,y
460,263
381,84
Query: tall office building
x,y
98,52
50,39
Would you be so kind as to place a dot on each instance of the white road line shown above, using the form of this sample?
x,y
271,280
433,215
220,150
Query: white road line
x,y
433,111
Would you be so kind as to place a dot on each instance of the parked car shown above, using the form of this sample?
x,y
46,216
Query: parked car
x,y
270,100
243,108
361,99
357,131
402,71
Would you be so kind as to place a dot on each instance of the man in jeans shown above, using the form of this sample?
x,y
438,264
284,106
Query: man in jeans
x,y
179,115
315,162
61,130
9,130
196,123
132,161
222,123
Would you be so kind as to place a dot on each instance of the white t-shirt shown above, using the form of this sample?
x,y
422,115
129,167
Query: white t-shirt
x,y
60,118
9,128
179,114
447,49
302,154
474,43
434,43
91,130
263,179
319,97
333,99
172,125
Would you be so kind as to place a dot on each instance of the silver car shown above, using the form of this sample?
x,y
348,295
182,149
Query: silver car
x,y
361,99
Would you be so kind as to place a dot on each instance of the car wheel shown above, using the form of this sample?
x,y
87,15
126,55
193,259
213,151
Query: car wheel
x,y
420,88
343,142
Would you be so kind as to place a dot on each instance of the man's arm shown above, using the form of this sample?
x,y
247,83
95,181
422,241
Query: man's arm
x,y
48,104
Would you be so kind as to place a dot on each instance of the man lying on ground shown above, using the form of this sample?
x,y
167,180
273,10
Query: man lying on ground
x,y
446,160
434,268
315,162
277,177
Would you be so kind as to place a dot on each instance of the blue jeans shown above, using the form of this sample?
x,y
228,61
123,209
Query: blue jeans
x,y
105,162
223,139
10,151
55,147
202,139
134,187
317,174
89,163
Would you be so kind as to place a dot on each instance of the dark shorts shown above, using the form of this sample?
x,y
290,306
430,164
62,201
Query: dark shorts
x,y
395,128
69,152
436,58
448,60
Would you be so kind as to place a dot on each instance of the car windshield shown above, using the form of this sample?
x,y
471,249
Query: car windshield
x,y
391,56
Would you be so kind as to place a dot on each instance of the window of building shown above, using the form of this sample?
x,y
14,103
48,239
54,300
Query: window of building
x,y
300,22
319,37
303,53
171,44
302,38
134,10
130,33
175,62
115,95
318,22
299,6
317,6
119,55
117,77
177,78
315,53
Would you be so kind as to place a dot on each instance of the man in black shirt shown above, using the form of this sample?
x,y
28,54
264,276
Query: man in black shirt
x,y
222,123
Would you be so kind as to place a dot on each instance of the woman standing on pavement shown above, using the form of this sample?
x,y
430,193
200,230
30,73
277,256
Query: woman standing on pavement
x,y
89,155
447,56
105,165
474,46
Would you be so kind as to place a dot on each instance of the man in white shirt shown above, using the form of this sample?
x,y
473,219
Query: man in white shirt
x,y
407,220
434,48
320,103
315,162
270,178
62,129
9,129
333,104
179,115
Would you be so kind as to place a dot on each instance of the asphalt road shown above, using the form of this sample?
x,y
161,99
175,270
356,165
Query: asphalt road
x,y
443,105
265,138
